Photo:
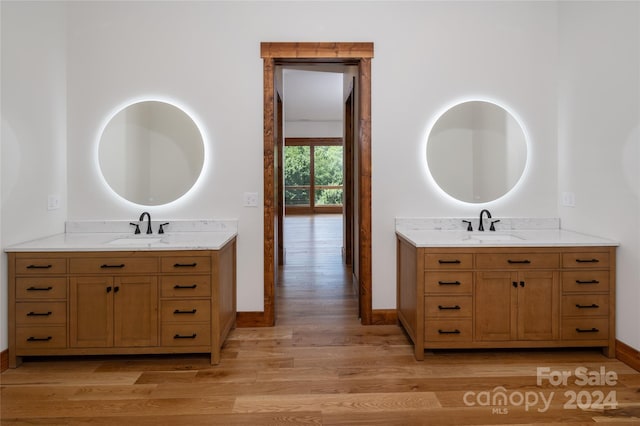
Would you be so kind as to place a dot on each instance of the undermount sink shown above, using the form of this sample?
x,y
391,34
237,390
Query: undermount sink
x,y
135,241
492,237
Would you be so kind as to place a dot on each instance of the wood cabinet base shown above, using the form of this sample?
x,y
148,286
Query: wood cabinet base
x,y
121,303
506,297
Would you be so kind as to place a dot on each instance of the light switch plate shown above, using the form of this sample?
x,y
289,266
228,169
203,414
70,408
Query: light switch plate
x,y
53,202
250,199
569,199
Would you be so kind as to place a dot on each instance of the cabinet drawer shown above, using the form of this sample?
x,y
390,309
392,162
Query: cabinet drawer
x,y
585,328
585,305
41,288
114,265
186,335
40,266
585,281
448,260
448,282
448,330
585,260
41,313
185,286
448,306
39,337
517,260
186,311
186,264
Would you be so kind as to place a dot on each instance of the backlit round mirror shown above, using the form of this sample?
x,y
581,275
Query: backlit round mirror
x,y
476,151
151,153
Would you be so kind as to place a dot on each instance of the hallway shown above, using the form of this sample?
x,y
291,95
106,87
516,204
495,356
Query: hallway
x,y
314,285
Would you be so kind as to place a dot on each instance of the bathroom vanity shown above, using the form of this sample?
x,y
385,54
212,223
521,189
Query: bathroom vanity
x,y
97,293
509,289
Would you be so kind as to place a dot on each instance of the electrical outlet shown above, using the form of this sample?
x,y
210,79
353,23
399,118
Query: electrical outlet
x,y
569,199
53,202
251,199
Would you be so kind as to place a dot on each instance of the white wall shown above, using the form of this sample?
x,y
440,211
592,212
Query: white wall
x,y
33,127
599,137
205,56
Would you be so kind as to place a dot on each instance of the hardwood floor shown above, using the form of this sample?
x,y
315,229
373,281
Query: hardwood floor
x,y
319,366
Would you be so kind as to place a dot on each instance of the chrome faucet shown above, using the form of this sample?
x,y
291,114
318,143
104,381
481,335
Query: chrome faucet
x,y
149,231
480,226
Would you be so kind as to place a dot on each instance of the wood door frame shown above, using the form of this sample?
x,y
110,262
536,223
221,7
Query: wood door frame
x,y
273,54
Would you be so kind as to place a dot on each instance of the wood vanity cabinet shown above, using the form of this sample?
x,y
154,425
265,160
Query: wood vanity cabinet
x,y
137,302
506,297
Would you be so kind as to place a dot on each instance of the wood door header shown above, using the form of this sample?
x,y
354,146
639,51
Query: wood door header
x,y
311,50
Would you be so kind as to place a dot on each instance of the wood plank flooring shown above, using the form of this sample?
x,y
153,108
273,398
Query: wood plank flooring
x,y
318,366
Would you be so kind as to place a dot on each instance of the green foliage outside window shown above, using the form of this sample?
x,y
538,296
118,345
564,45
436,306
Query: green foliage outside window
x,y
328,172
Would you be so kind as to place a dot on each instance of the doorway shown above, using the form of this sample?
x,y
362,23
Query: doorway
x,y
278,54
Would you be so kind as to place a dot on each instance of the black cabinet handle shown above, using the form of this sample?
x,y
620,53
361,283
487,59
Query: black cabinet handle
x,y
39,339
590,330
179,336
178,311
39,266
185,265
521,283
444,308
106,266
109,289
116,289
40,288
449,283
39,314
515,262
179,287
587,282
456,331
587,260
445,262
514,284
593,305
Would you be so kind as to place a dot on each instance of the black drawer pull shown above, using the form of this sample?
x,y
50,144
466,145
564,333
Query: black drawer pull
x,y
106,266
39,266
456,331
587,260
593,305
445,308
39,314
590,330
40,288
513,262
178,311
179,287
179,336
445,262
587,282
449,283
39,339
185,265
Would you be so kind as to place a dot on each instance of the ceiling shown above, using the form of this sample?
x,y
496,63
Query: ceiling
x,y
313,94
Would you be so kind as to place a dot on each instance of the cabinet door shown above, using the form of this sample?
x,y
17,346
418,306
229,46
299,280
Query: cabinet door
x,y
91,312
135,311
538,305
495,302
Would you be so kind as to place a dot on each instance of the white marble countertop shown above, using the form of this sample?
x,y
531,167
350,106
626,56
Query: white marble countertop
x,y
523,238
114,236
539,233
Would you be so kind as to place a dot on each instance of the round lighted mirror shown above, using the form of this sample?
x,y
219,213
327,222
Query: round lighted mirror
x,y
476,152
151,153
